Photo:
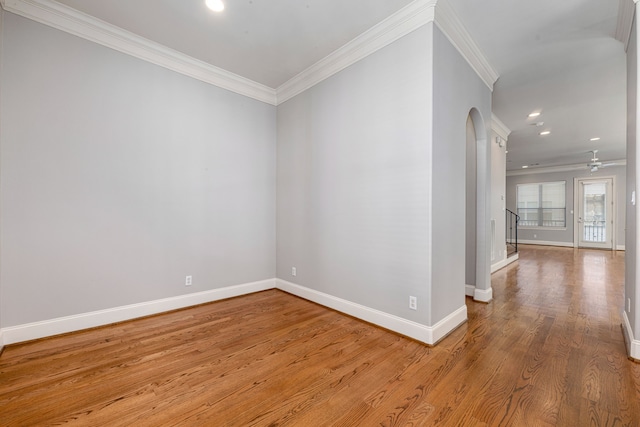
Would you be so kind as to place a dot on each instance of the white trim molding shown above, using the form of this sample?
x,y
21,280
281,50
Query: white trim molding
x,y
499,128
426,334
504,262
447,20
620,248
626,11
61,325
564,168
546,243
633,345
483,295
80,24
401,23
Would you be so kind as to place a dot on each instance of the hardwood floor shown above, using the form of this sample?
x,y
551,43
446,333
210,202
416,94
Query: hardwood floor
x,y
547,351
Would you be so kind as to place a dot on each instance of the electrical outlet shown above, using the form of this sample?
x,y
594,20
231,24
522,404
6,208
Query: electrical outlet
x,y
294,271
188,280
413,303
535,236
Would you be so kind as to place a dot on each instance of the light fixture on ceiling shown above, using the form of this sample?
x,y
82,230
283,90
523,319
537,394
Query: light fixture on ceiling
x,y
545,133
597,138
534,114
215,5
525,167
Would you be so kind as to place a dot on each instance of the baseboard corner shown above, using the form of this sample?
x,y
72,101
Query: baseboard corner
x,y
483,295
632,344
429,335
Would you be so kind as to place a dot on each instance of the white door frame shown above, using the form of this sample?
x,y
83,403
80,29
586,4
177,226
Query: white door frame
x,y
576,207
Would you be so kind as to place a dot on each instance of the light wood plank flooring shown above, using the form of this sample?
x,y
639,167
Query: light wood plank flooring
x,y
547,351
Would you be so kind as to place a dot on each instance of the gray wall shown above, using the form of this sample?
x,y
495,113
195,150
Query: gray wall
x,y
120,177
353,181
566,235
457,89
631,279
1,131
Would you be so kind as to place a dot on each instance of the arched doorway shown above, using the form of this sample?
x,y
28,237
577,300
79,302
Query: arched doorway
x,y
477,229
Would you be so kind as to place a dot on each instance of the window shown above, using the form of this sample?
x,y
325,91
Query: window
x,y
542,204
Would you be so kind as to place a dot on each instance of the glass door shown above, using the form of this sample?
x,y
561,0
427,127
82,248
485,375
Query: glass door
x,y
595,214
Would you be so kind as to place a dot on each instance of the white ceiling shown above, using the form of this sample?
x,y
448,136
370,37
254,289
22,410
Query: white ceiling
x,y
267,41
559,57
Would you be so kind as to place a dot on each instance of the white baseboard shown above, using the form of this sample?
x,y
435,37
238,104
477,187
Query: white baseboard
x,y
633,345
426,334
546,243
469,290
503,263
1,341
483,295
31,331
620,248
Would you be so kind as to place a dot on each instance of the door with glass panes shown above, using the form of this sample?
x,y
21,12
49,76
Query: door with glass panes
x,y
594,219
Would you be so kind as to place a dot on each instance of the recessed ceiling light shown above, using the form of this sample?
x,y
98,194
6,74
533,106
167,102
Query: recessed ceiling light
x,y
534,114
545,132
525,166
215,5
595,139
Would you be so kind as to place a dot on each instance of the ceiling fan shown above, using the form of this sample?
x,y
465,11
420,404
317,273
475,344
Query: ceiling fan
x,y
595,164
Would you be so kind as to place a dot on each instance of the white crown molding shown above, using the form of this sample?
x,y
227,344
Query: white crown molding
x,y
401,23
626,11
565,168
499,128
447,20
67,19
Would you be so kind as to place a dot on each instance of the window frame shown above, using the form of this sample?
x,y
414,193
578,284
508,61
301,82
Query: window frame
x,y
540,210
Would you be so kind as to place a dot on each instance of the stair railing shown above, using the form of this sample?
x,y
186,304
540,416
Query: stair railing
x,y
511,223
